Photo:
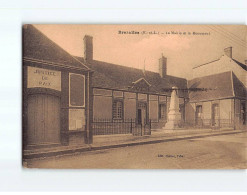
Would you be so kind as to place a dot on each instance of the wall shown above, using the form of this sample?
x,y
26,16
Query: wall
x,y
237,112
238,115
190,113
153,108
129,105
102,104
103,99
225,109
206,110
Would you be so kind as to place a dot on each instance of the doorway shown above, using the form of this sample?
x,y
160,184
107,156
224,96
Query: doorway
x,y
215,115
198,116
43,125
142,113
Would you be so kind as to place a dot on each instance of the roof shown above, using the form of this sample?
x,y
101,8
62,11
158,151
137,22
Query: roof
x,y
240,90
240,64
107,75
37,46
243,66
205,63
217,86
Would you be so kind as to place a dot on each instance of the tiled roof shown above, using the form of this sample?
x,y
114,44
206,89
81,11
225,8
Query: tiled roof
x,y
107,75
39,47
218,86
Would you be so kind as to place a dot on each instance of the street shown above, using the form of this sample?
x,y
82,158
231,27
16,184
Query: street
x,y
216,152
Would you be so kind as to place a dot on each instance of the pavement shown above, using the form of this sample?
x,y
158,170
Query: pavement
x,y
124,140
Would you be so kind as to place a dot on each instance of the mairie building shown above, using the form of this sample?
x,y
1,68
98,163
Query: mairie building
x,y
121,93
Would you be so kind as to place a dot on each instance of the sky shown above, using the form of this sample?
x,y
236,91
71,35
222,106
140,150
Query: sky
x,y
183,51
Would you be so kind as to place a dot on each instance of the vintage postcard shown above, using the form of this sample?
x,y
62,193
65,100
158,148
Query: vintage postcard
x,y
134,96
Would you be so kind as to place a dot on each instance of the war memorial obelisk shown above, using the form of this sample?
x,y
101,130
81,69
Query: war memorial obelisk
x,y
174,116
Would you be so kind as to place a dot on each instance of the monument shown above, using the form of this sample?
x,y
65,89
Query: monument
x,y
174,116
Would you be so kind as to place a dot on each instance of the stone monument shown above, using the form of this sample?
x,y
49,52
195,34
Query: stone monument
x,y
174,116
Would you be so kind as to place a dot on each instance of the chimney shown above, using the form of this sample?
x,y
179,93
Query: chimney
x,y
162,66
228,52
88,48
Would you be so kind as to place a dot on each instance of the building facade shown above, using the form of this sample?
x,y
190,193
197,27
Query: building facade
x,y
56,94
121,93
223,104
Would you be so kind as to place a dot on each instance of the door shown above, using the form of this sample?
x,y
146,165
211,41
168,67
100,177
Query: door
x,y
198,115
139,114
215,115
43,112
142,113
143,116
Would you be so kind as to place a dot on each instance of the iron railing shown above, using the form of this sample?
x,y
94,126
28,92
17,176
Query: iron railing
x,y
127,126
199,124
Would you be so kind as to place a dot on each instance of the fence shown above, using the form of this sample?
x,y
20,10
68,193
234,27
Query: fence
x,y
208,124
131,126
199,124
127,126
142,129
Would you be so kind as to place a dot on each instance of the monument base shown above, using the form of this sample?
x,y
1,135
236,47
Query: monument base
x,y
172,125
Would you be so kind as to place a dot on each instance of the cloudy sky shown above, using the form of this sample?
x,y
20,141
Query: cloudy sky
x,y
182,51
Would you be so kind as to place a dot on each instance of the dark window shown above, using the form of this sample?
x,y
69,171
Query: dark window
x,y
118,109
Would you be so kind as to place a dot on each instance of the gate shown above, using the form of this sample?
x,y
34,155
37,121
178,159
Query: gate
x,y
142,129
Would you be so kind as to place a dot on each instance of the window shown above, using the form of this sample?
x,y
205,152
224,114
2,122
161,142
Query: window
x,y
162,111
118,109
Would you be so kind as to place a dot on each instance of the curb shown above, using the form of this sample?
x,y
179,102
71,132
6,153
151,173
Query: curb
x,y
94,148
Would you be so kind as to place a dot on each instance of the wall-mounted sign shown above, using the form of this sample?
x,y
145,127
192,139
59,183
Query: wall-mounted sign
x,y
45,78
77,119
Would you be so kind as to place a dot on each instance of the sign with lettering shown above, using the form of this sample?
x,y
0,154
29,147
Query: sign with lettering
x,y
45,78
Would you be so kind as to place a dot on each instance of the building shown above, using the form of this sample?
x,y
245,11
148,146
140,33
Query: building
x,y
214,98
223,103
223,64
56,91
121,93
